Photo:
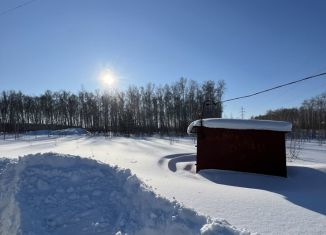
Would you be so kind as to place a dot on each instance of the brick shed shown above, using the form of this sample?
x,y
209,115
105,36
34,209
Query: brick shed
x,y
256,146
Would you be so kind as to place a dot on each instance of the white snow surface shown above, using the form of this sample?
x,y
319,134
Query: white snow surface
x,y
61,194
258,203
241,124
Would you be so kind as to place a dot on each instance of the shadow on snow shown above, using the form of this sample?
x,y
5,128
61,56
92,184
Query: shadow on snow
x,y
304,186
176,158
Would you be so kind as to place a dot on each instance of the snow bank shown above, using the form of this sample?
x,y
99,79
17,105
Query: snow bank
x,y
68,131
62,194
241,124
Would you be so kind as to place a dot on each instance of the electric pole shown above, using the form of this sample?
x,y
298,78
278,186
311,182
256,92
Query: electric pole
x,y
242,112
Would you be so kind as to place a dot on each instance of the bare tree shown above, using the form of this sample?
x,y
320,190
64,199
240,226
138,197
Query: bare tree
x,y
151,109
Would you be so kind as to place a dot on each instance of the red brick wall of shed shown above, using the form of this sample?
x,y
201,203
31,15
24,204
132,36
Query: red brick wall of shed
x,y
256,151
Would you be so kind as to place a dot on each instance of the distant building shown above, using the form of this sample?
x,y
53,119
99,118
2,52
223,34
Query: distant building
x,y
256,146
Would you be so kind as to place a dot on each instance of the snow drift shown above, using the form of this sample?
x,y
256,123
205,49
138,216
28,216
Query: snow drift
x,y
64,194
68,131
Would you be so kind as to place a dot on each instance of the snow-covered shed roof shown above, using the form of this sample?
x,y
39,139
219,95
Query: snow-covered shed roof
x,y
241,124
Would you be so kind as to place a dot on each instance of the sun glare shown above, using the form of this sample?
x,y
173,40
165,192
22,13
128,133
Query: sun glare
x,y
108,78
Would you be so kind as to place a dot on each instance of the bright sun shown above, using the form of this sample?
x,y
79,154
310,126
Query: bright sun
x,y
108,78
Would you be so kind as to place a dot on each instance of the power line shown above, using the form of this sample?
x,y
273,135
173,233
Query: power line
x,y
16,7
276,87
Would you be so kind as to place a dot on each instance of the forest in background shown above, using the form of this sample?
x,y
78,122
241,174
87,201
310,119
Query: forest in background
x,y
151,109
165,109
308,120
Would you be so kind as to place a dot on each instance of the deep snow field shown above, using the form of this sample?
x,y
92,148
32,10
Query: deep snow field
x,y
60,194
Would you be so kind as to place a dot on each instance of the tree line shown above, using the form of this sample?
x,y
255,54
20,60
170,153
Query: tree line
x,y
164,109
309,118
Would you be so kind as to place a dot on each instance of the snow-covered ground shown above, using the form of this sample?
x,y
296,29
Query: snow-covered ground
x,y
258,203
63,194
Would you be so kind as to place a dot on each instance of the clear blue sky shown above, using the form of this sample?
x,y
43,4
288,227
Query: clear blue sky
x,y
252,45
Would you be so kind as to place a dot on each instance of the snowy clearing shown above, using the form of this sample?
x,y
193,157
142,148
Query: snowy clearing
x,y
258,203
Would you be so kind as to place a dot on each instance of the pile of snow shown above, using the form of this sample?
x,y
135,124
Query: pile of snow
x,y
68,131
62,194
241,124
